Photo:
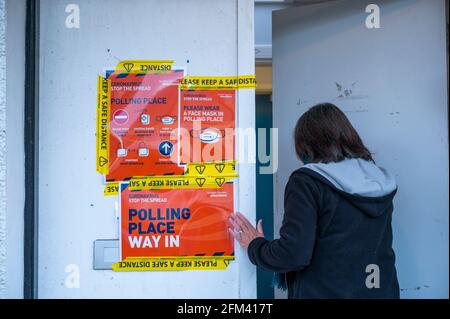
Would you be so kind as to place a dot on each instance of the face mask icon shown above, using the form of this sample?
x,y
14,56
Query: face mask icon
x,y
208,135
166,119
142,150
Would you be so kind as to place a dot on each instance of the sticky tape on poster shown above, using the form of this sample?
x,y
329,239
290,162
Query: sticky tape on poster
x,y
173,263
179,182
111,188
218,82
144,66
102,132
199,178
211,168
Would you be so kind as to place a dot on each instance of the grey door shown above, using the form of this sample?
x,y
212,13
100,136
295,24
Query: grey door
x,y
392,84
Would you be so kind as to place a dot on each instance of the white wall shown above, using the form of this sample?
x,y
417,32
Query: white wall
x,y
12,69
217,38
399,105
263,21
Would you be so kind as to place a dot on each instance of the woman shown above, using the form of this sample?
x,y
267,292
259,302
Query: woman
x,y
336,236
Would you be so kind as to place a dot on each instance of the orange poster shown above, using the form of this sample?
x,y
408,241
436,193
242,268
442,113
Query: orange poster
x,y
176,222
207,118
143,113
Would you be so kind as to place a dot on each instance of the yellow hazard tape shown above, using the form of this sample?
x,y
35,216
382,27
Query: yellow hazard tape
x,y
111,188
173,263
218,82
179,182
102,131
144,66
211,168
197,175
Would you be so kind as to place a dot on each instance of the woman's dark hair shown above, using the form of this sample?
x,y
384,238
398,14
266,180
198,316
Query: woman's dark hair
x,y
324,134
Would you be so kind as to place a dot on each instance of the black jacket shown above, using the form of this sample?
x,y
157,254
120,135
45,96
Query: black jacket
x,y
329,241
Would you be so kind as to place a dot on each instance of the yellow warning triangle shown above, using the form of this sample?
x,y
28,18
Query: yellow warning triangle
x,y
220,167
102,161
200,181
200,168
220,181
128,66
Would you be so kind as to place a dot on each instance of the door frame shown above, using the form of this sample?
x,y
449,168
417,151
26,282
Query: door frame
x,y
264,191
31,144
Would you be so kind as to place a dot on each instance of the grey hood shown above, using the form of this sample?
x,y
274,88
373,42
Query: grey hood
x,y
368,187
356,177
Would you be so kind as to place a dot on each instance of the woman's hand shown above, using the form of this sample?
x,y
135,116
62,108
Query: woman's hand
x,y
241,229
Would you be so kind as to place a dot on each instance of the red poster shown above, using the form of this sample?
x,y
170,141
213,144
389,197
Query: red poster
x,y
144,111
208,120
178,222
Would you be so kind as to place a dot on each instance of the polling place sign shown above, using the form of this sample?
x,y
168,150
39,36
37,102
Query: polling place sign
x,y
143,114
180,228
